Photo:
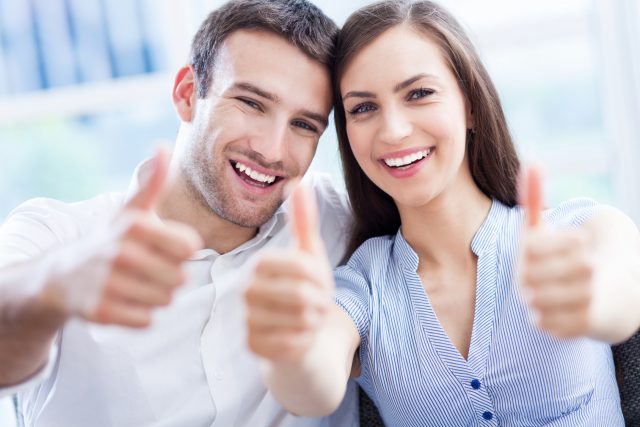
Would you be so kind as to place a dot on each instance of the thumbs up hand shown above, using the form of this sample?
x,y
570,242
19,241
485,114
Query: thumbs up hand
x,y
290,294
556,269
119,273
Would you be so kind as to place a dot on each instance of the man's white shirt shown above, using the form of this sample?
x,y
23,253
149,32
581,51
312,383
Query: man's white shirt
x,y
191,367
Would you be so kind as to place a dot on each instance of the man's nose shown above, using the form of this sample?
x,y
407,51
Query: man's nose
x,y
270,142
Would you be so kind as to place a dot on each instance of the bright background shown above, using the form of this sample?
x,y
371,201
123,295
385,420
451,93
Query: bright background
x,y
85,91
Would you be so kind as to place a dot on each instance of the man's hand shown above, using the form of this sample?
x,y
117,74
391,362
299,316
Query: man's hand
x,y
121,273
556,269
290,295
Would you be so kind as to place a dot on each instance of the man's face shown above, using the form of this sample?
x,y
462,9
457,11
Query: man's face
x,y
258,128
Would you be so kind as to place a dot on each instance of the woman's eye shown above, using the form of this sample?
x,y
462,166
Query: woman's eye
x,y
360,109
304,125
420,93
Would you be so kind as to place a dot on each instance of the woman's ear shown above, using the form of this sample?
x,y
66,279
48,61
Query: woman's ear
x,y
184,93
471,121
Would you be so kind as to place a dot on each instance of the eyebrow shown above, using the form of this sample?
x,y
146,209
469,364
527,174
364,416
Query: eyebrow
x,y
249,87
403,85
397,88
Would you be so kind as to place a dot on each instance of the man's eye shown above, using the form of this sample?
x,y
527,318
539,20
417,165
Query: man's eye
x,y
420,93
251,103
361,109
304,125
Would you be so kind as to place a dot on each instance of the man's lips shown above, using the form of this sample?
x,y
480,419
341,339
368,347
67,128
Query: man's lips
x,y
254,174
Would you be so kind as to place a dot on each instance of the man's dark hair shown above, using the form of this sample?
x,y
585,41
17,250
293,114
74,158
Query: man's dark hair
x,y
299,22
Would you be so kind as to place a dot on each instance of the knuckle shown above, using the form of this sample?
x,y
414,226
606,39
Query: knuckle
x,y
184,249
133,224
256,344
289,346
307,319
125,256
261,267
134,228
535,301
252,343
251,294
587,298
165,298
101,314
585,269
143,321
176,277
298,299
529,275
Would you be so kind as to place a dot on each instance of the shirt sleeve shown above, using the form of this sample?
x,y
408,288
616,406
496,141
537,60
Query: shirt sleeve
x,y
27,233
573,213
353,295
37,378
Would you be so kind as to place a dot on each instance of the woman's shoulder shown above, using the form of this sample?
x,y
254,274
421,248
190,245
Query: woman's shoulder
x,y
371,256
573,212
373,248
570,213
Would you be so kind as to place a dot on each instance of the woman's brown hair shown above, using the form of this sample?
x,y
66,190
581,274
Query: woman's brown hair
x,y
492,157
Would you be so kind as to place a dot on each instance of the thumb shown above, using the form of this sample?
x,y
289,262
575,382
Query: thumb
x,y
149,192
304,216
531,199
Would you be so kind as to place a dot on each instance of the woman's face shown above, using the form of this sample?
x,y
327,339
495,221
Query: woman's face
x,y
406,117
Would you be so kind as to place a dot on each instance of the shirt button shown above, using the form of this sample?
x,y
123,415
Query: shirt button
x,y
487,415
217,375
475,384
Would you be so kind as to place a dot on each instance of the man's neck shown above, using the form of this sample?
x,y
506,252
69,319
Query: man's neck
x,y
217,233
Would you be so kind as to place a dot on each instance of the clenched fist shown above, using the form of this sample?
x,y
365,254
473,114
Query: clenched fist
x,y
556,269
118,274
291,292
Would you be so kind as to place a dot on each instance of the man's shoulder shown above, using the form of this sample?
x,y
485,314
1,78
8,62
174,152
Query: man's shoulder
x,y
59,218
332,197
48,209
334,213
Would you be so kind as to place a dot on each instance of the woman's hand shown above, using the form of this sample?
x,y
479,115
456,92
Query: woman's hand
x,y
583,282
557,269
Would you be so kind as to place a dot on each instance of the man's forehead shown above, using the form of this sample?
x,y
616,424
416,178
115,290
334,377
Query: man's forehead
x,y
270,63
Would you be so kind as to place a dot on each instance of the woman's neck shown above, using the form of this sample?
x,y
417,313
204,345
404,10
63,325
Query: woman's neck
x,y
441,231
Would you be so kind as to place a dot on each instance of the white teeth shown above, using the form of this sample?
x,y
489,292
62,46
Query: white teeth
x,y
256,176
406,160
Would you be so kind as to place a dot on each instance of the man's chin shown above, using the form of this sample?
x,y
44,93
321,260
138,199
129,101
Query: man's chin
x,y
249,216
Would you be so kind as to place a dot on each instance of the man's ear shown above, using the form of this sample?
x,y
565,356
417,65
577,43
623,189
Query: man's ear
x,y
184,93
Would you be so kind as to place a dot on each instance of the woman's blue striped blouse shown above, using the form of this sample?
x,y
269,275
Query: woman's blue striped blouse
x,y
515,374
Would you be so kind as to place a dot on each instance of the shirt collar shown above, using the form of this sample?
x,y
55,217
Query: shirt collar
x,y
482,240
488,231
269,229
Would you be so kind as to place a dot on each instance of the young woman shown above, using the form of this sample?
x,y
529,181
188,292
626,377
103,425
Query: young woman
x,y
430,317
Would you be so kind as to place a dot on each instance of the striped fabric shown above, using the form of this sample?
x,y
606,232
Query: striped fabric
x,y
515,375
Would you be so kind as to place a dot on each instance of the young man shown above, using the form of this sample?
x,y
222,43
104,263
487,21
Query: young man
x,y
94,327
